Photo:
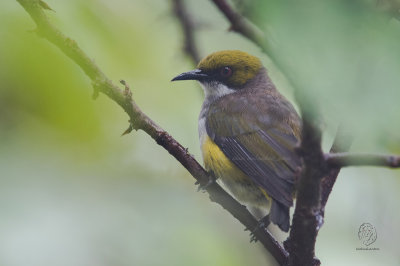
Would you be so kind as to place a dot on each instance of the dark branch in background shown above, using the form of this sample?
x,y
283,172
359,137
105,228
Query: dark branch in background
x,y
138,120
188,27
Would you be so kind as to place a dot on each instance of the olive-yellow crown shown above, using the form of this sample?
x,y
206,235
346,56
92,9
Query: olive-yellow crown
x,y
232,67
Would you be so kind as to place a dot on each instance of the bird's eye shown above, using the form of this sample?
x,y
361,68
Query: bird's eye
x,y
226,72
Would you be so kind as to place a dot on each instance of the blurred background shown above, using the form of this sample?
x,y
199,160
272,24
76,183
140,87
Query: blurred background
x,y
74,192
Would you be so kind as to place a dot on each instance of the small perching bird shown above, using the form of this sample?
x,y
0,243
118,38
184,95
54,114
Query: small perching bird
x,y
248,132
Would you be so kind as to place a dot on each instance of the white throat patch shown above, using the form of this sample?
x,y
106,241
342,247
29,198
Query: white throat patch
x,y
214,90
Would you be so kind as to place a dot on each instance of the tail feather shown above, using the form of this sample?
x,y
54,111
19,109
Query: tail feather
x,y
279,215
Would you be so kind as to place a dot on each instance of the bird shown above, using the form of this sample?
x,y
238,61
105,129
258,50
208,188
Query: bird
x,y
248,133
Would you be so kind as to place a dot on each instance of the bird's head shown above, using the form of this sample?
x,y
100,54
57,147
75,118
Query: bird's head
x,y
224,72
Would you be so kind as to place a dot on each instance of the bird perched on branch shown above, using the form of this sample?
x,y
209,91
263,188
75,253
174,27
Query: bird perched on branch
x,y
248,132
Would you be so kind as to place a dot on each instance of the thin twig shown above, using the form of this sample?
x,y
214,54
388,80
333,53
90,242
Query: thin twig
x,y
360,159
139,120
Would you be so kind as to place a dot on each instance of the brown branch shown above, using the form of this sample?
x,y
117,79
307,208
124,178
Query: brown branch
x,y
359,159
188,26
139,120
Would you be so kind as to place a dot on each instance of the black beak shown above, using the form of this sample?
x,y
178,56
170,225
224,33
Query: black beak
x,y
196,74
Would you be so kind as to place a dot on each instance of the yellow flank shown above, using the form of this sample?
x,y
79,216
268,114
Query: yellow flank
x,y
215,160
238,183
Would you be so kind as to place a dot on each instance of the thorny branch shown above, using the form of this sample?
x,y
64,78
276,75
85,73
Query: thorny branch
x,y
312,197
139,120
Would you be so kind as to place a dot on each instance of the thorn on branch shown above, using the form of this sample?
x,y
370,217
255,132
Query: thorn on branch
x,y
128,130
45,6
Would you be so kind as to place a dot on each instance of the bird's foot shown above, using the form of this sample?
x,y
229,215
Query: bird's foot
x,y
203,187
262,224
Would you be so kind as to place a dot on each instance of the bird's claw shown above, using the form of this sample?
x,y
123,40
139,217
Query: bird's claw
x,y
204,187
262,224
253,238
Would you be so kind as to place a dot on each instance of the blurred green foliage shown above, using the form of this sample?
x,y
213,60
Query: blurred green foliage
x,y
73,192
343,54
